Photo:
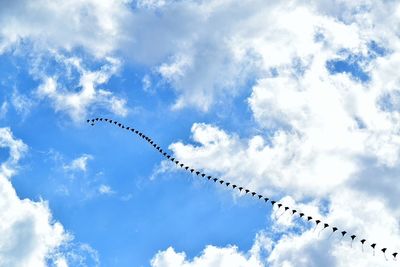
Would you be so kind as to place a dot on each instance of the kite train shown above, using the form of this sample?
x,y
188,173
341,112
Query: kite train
x,y
264,199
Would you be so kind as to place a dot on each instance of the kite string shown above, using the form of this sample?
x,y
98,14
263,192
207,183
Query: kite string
x,y
240,188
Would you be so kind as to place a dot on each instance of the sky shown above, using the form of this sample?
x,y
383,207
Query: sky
x,y
296,100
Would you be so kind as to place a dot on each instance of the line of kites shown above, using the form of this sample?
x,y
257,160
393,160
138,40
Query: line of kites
x,y
242,189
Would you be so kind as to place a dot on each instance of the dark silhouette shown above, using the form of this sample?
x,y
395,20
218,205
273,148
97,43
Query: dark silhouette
x,y
273,202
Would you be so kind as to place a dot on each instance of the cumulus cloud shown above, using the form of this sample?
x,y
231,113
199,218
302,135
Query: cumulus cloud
x,y
85,95
30,236
56,24
215,256
325,135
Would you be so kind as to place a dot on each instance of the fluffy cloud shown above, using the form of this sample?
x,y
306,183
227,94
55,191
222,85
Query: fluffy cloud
x,y
326,135
57,24
77,104
215,256
50,30
29,235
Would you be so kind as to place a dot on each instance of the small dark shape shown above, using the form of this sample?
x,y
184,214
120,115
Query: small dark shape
x,y
133,130
279,205
151,142
110,121
286,208
119,124
294,211
97,119
92,124
203,175
209,177
260,196
176,162
154,145
317,222
128,128
191,170
373,245
362,241
253,193
334,229
168,156
115,122
247,190
106,119
187,167
197,173
344,233
136,131
140,134
395,254
384,250
221,181
227,184
181,165
161,151
301,214
352,237
273,202
309,218
123,127
165,154
266,199
172,159
215,180
240,189
234,186
101,119
87,121
158,147
326,225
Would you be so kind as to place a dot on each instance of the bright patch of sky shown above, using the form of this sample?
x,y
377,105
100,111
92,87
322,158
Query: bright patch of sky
x,y
297,101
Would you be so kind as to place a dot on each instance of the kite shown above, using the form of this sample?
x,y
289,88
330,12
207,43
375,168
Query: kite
x,y
240,188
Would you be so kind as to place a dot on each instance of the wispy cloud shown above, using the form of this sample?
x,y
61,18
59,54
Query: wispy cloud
x,y
79,164
105,190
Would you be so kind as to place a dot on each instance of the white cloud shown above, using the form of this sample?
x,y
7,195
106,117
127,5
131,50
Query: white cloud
x,y
325,137
150,3
29,235
215,256
17,149
3,109
105,190
322,134
78,104
21,103
79,164
89,24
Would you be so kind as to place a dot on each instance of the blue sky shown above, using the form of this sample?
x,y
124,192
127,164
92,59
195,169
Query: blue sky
x,y
141,215
296,101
